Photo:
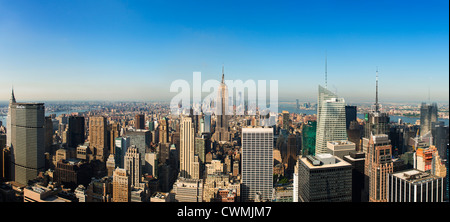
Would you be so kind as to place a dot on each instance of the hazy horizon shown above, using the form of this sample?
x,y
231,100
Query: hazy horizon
x,y
115,50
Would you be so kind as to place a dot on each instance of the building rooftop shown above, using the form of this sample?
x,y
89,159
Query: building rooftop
x,y
341,142
160,195
415,176
324,161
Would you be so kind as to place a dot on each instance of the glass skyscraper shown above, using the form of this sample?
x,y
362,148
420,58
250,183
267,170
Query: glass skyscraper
x,y
428,116
330,119
27,140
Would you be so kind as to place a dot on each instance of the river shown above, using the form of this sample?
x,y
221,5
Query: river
x,y
405,119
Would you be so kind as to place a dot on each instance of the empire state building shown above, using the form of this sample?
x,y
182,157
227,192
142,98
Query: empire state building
x,y
221,133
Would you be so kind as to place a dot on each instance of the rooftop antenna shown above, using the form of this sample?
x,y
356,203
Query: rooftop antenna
x,y
376,96
223,75
326,84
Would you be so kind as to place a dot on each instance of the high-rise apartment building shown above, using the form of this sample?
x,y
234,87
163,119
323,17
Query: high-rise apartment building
x,y
257,163
187,145
121,186
330,119
98,139
26,134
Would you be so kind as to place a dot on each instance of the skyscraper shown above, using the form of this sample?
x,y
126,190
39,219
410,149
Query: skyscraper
x,y
324,178
163,130
221,133
98,139
186,147
415,186
428,117
378,165
113,130
309,138
285,120
121,144
48,139
76,131
376,121
141,139
330,119
26,135
139,121
207,122
350,115
121,186
291,153
257,163
132,164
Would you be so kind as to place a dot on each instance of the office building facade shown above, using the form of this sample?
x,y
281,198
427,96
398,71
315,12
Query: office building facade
x,y
324,178
428,117
378,165
257,163
27,140
415,186
187,146
330,119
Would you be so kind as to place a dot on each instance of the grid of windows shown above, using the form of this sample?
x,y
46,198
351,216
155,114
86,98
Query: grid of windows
x,y
330,120
427,189
257,163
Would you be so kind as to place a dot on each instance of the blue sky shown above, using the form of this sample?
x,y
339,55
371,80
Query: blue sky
x,y
133,50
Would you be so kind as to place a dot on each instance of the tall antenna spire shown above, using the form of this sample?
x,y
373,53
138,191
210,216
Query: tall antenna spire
x,y
376,96
223,74
326,84
13,98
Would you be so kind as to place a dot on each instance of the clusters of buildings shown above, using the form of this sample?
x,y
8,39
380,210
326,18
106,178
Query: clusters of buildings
x,y
155,156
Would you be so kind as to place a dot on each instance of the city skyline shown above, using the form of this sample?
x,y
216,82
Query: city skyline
x,y
106,50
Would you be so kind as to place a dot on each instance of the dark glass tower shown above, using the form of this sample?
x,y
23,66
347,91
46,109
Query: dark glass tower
x,y
76,131
428,116
27,141
350,115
